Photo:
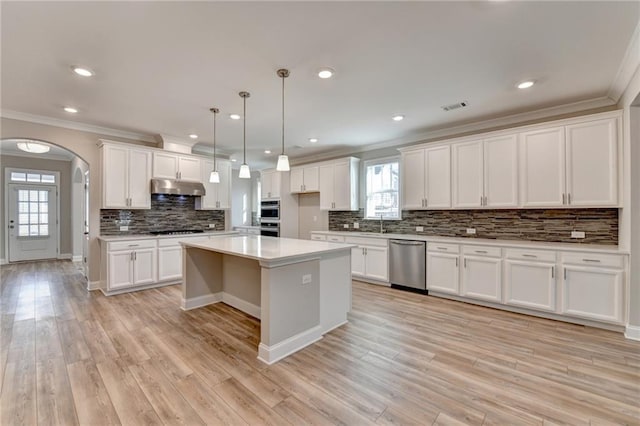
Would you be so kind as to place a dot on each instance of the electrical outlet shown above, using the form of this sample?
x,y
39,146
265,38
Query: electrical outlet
x,y
356,225
345,226
306,279
577,234
315,218
124,228
212,225
471,231
419,228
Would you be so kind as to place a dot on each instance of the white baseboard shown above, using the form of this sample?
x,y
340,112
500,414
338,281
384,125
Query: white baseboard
x,y
272,354
93,285
632,332
200,301
65,256
241,305
76,258
3,261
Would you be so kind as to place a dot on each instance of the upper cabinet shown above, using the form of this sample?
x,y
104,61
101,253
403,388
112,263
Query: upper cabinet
x,y
304,179
574,165
485,173
218,195
126,173
339,184
175,166
426,178
270,181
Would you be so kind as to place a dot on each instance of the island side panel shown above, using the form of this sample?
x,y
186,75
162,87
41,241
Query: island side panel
x,y
290,309
335,289
241,284
201,277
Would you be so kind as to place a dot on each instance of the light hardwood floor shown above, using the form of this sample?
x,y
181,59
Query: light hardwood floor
x,y
73,357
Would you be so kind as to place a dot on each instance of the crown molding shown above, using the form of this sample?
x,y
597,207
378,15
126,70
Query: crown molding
x,y
73,125
468,128
628,66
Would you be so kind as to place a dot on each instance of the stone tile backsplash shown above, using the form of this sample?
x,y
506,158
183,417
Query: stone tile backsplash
x,y
167,212
553,225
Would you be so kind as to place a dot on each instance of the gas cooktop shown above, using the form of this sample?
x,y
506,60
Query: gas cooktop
x,y
177,232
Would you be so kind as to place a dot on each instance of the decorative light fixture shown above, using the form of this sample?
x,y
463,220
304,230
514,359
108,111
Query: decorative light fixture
x,y
326,73
526,84
71,110
32,147
398,117
245,172
283,160
214,177
82,71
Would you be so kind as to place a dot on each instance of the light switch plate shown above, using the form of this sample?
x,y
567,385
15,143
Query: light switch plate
x,y
419,228
345,226
577,234
124,227
356,225
471,231
306,279
212,225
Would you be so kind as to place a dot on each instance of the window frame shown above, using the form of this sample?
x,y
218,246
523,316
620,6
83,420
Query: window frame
x,y
381,161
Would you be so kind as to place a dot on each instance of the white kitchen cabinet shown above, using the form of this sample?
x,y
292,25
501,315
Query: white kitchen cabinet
x,y
426,178
593,293
482,273
530,284
270,181
339,185
542,168
218,195
304,179
376,263
130,263
318,237
370,259
170,262
174,166
443,272
126,175
485,173
357,261
592,163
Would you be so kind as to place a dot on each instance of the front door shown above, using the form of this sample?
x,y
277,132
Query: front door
x,y
32,222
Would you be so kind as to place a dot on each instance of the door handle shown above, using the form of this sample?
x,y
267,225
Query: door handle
x,y
569,198
564,198
11,227
553,272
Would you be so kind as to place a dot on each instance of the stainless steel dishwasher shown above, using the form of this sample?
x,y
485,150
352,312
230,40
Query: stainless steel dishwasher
x,y
407,263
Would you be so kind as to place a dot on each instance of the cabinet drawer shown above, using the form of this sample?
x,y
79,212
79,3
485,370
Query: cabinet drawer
x,y
444,248
335,238
131,245
317,237
363,241
532,255
593,259
482,251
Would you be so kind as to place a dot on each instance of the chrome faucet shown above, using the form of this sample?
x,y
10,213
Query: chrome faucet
x,y
381,228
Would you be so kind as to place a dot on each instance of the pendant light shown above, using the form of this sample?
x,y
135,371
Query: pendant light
x,y
283,160
214,177
245,173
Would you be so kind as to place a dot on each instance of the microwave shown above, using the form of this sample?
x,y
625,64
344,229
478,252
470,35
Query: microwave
x,y
270,210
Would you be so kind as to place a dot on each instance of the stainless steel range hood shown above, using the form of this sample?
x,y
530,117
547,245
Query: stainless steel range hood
x,y
177,187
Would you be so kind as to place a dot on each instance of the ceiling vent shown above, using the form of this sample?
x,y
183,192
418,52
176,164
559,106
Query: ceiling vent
x,y
455,106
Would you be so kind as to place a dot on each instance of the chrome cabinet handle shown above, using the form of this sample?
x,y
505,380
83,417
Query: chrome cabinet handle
x,y
530,255
442,248
569,198
564,198
465,262
591,260
456,262
480,251
481,200
426,202
553,272
134,245
135,255
565,274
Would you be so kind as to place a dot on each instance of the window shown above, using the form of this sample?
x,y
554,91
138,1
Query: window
x,y
382,189
32,177
33,213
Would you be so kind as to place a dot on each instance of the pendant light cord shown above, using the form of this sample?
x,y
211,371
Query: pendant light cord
x,y
283,114
244,130
215,168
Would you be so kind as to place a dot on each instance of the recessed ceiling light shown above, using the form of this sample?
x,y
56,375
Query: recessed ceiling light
x,y
193,136
398,117
233,160
32,147
313,140
84,72
525,84
266,151
70,110
326,73
234,116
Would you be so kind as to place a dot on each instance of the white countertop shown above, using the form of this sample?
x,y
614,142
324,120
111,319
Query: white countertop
x,y
267,248
592,248
110,238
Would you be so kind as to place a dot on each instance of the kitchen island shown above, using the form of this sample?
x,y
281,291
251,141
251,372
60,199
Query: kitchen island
x,y
299,289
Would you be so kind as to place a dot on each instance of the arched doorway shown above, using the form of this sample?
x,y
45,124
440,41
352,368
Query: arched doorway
x,y
45,193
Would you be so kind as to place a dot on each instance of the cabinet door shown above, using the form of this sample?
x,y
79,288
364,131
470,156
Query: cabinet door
x,y
482,278
276,181
413,179
593,293
265,184
224,187
542,168
357,261
311,179
342,186
501,171
438,177
139,179
442,273
120,270
326,187
376,263
115,177
165,166
468,188
530,285
144,266
592,159
296,180
169,263
189,169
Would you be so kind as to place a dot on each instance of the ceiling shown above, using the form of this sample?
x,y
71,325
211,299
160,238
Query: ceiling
x,y
160,66
10,147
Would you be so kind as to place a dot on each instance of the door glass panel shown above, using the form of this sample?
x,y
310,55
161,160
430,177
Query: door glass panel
x,y
18,177
33,217
31,177
48,179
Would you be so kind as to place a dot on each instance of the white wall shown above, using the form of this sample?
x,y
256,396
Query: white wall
x,y
241,199
310,217
78,169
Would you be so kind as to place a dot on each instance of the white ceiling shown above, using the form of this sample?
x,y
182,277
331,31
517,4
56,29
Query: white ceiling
x,y
10,147
160,66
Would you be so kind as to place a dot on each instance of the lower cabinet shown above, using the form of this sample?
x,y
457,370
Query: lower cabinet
x,y
442,272
530,285
370,259
593,293
170,262
130,263
482,278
